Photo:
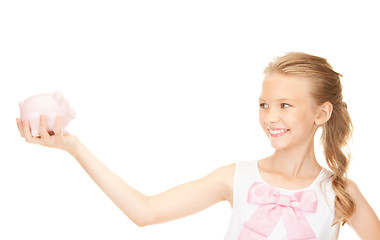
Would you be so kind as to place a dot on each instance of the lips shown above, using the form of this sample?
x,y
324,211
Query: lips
x,y
277,132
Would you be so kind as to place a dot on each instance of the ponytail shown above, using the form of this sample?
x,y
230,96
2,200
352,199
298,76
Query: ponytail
x,y
336,133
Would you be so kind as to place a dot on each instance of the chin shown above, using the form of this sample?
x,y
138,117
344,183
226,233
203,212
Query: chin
x,y
279,148
279,145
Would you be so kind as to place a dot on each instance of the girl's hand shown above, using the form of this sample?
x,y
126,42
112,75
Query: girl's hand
x,y
57,139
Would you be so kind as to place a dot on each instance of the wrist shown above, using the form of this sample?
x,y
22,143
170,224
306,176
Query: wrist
x,y
73,146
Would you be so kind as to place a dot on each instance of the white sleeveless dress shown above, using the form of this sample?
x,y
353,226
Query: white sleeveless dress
x,y
246,173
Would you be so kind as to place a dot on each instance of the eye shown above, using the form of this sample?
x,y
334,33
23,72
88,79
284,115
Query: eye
x,y
285,105
264,105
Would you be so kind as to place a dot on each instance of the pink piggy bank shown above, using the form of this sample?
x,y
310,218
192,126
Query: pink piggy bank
x,y
50,105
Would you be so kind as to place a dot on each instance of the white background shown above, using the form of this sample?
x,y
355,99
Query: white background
x,y
165,92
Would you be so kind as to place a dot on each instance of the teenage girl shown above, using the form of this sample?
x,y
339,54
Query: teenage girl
x,y
287,195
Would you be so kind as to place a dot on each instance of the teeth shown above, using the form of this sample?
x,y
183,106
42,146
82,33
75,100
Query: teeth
x,y
277,131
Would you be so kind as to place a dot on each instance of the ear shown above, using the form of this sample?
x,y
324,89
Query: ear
x,y
324,113
58,96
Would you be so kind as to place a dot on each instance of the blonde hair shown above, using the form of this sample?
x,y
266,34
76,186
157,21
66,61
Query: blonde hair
x,y
337,130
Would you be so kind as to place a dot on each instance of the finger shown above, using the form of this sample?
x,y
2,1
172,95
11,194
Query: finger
x,y
28,135
26,130
20,126
43,130
58,126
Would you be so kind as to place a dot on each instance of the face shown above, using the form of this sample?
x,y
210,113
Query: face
x,y
287,111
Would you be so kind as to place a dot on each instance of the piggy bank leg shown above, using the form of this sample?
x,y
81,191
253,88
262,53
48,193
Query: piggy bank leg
x,y
35,133
35,125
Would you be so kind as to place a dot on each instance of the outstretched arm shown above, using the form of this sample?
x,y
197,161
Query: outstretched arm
x,y
143,210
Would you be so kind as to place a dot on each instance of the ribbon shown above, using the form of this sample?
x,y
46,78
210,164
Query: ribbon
x,y
273,206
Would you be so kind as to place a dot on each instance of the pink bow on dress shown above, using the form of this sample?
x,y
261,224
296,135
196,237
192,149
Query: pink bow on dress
x,y
273,206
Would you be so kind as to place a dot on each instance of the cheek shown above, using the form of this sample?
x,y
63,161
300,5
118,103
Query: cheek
x,y
305,120
262,123
261,119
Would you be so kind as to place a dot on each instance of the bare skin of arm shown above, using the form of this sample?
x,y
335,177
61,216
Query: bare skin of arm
x,y
364,221
143,210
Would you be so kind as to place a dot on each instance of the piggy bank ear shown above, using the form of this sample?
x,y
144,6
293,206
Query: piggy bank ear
x,y
58,96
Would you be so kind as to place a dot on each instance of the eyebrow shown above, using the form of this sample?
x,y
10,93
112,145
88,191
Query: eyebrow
x,y
280,100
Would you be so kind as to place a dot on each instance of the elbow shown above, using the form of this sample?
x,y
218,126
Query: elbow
x,y
144,221
142,214
141,223
145,218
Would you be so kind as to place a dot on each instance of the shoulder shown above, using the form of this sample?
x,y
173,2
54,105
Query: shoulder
x,y
352,188
357,197
223,177
225,173
227,168
364,220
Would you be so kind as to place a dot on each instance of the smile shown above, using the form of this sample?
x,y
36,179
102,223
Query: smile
x,y
277,132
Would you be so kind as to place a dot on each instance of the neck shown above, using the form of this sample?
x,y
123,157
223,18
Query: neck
x,y
298,161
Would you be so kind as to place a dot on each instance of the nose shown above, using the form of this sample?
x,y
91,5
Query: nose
x,y
271,116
